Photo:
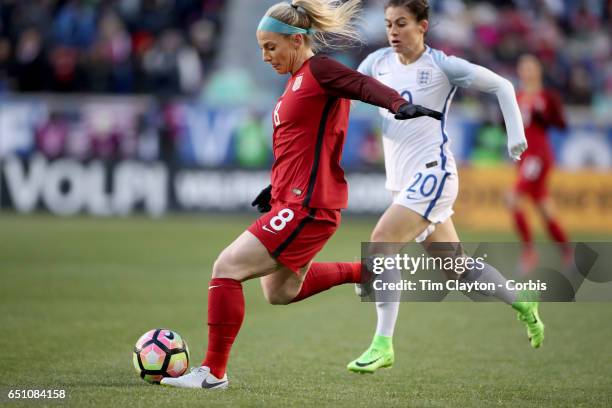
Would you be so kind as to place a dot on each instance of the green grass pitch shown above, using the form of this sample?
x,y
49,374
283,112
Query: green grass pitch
x,y
75,295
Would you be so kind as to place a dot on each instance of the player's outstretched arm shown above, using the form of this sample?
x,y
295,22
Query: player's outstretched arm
x,y
341,81
488,81
464,74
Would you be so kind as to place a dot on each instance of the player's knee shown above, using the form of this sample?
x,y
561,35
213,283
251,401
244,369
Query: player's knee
x,y
277,300
219,268
275,294
224,267
382,235
276,297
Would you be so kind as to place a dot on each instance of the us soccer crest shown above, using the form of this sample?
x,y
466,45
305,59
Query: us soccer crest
x,y
424,76
297,83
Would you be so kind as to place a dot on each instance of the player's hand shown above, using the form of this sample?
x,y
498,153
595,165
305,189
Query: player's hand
x,y
262,201
411,111
516,148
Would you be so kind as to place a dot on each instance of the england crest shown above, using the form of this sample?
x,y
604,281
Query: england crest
x,y
424,76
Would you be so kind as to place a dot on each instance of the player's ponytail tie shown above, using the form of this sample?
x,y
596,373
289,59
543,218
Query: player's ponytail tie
x,y
299,9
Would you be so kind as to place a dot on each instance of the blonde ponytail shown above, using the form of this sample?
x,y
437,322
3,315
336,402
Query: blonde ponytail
x,y
333,21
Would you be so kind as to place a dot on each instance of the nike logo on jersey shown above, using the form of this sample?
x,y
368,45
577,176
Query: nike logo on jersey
x,y
265,228
212,287
384,73
368,363
206,384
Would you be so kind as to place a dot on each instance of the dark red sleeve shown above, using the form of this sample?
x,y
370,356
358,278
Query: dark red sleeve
x,y
554,111
343,82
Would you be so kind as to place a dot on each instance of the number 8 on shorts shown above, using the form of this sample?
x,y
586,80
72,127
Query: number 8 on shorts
x,y
280,221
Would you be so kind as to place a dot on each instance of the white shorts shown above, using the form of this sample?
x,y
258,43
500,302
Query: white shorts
x,y
431,193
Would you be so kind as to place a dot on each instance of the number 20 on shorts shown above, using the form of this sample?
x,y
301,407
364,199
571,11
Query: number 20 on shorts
x,y
425,185
279,221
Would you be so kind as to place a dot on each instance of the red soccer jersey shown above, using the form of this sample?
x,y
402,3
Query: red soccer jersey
x,y
310,123
540,111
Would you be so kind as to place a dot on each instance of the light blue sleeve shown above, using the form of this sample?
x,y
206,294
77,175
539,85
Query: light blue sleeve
x,y
458,71
367,65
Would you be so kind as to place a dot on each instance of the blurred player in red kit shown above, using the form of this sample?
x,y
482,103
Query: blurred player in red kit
x,y
308,188
541,109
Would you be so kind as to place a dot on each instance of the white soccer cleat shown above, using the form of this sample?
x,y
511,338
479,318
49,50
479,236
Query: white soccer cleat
x,y
199,377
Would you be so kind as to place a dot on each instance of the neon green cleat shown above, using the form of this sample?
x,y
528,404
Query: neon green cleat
x,y
528,314
378,355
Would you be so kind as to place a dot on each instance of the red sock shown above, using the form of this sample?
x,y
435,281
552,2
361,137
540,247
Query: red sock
x,y
556,233
225,315
520,222
322,276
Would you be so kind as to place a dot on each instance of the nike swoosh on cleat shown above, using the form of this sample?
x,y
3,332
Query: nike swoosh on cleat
x,y
366,364
206,384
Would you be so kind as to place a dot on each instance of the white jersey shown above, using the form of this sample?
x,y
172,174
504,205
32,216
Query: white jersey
x,y
431,81
421,170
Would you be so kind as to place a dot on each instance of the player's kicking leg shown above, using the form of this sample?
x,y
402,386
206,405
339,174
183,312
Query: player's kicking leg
x,y
243,259
199,377
288,275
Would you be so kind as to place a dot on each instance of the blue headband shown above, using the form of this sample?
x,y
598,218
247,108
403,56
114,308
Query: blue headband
x,y
268,23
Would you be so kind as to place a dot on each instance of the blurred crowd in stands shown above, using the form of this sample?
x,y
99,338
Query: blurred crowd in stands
x,y
108,46
169,47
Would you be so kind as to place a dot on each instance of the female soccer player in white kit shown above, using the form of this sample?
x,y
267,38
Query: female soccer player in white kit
x,y
420,168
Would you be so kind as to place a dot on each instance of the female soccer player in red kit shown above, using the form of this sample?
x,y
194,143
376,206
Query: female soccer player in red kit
x,y
308,186
541,110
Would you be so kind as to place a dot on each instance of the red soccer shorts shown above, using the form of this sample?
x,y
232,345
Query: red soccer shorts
x,y
294,234
533,177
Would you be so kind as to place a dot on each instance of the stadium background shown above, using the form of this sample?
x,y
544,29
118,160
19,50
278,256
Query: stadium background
x,y
162,107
